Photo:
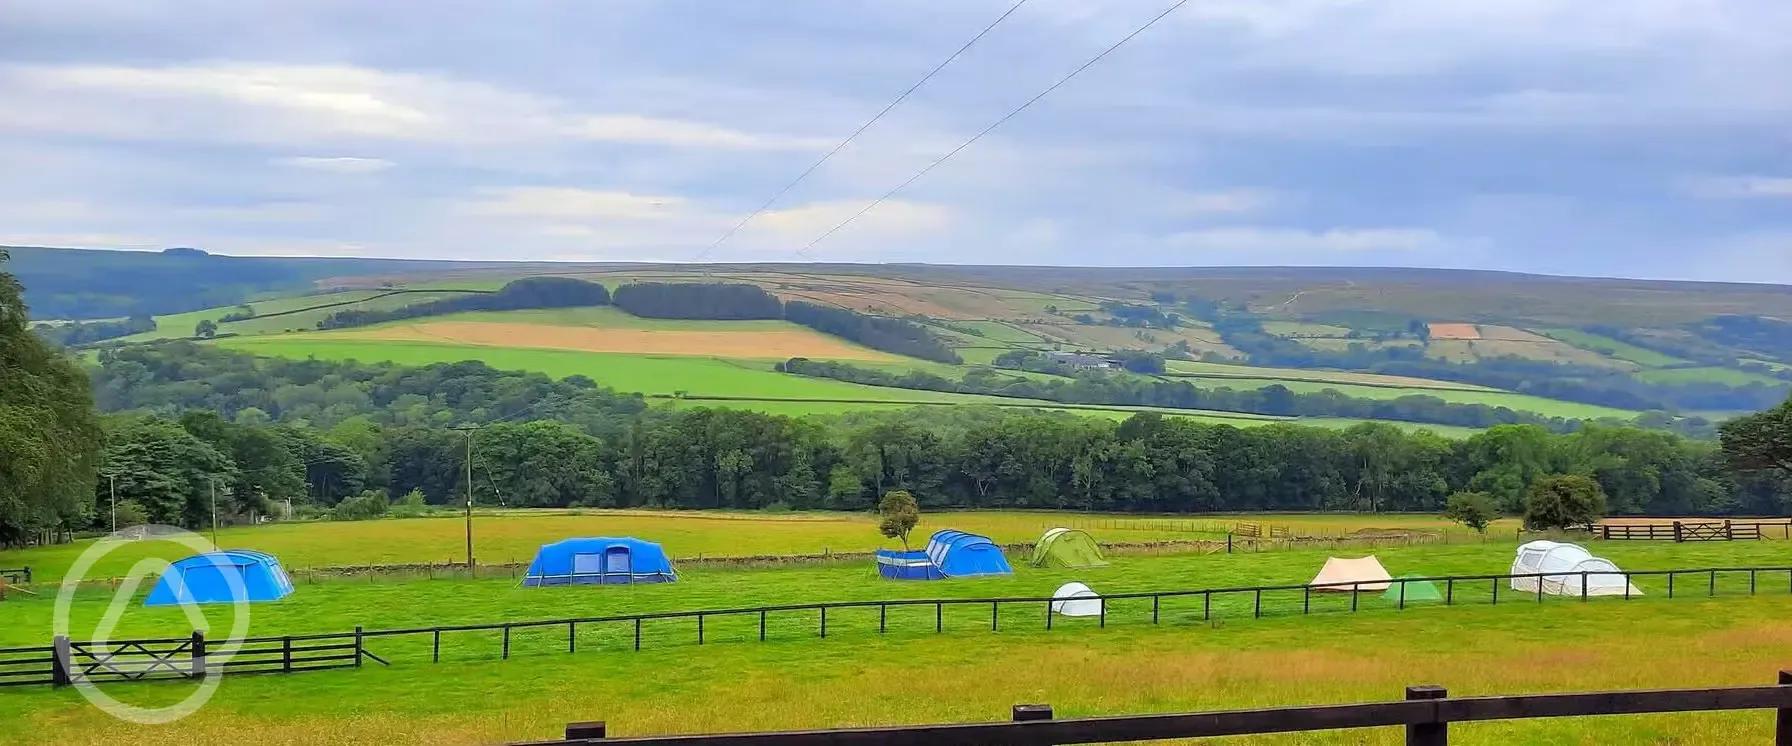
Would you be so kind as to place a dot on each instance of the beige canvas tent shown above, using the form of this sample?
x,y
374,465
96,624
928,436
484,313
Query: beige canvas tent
x,y
1363,573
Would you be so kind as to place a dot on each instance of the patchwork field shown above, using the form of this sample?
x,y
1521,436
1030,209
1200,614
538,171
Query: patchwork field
x,y
780,344
1615,348
1711,374
1124,664
1455,331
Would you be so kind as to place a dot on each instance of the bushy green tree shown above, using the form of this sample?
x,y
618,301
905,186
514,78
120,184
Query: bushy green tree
x,y
897,515
1563,501
50,438
363,507
1472,509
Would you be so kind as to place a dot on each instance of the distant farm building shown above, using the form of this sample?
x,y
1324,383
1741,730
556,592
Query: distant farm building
x,y
1082,360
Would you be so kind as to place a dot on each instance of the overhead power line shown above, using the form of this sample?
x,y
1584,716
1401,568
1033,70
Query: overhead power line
x,y
804,251
855,133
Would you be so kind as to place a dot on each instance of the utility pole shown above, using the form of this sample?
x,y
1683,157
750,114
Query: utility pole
x,y
214,481
113,478
468,431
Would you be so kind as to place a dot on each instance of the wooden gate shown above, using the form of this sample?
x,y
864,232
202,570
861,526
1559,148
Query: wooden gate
x,y
133,660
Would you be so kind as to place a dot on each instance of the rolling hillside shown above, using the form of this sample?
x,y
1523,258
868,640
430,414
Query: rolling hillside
x,y
1571,348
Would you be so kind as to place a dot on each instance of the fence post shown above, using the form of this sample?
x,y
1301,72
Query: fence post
x,y
1104,612
1154,600
197,649
1677,537
995,614
824,622
1257,610
1432,733
572,637
435,648
1206,605
1228,542
360,646
595,731
1306,600
59,662
1713,591
1402,595
286,654
27,574
1032,713
939,618
1782,725
1449,591
1670,584
1729,531
1583,585
637,633
506,642
1607,530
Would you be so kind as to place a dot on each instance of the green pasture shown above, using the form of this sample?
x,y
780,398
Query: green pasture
x,y
182,324
1196,658
1612,347
1709,374
1515,402
610,317
511,536
1229,370
752,382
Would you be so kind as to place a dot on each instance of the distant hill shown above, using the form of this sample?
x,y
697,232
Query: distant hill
x,y
94,284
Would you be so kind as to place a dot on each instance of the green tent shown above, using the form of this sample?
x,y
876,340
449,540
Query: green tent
x,y
1419,590
1066,547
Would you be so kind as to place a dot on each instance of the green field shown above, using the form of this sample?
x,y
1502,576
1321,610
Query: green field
x,y
509,536
1228,370
749,384
1516,402
1612,347
1727,376
610,317
966,672
181,325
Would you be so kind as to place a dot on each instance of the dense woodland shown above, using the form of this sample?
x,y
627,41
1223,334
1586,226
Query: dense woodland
x,y
878,333
693,300
86,332
1101,387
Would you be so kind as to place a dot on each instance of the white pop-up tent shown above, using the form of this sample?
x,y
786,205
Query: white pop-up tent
x,y
1362,574
1572,560
1076,599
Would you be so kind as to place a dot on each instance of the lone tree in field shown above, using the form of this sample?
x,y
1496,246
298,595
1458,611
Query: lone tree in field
x,y
897,515
206,328
1471,509
1563,502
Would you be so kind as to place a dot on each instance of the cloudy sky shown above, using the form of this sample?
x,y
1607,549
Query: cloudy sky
x,y
1645,138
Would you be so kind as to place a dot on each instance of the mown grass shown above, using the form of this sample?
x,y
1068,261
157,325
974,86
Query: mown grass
x,y
911,674
513,536
1513,401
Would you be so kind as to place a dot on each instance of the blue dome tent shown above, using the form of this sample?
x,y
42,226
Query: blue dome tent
x,y
599,561
228,576
949,554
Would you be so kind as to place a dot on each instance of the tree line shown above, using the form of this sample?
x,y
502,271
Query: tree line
x,y
84,332
1099,387
691,300
351,439
529,292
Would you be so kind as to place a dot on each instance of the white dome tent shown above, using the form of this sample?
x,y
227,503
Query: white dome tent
x,y
1571,560
1076,599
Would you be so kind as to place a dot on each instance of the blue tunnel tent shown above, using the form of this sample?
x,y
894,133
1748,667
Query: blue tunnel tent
x,y
949,554
913,565
599,561
960,555
222,577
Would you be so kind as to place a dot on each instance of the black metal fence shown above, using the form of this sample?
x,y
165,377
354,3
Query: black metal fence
x,y
295,653
1426,713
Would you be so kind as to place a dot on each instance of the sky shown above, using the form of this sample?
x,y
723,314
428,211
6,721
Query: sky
x,y
1643,138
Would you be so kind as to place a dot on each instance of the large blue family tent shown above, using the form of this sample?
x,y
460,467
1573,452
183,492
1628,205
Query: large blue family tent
x,y
949,554
913,565
599,560
222,577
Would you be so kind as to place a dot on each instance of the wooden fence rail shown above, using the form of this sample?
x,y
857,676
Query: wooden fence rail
x,y
17,575
1683,531
1425,713
295,653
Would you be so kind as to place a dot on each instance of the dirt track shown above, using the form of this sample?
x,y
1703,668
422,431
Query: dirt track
x,y
754,344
